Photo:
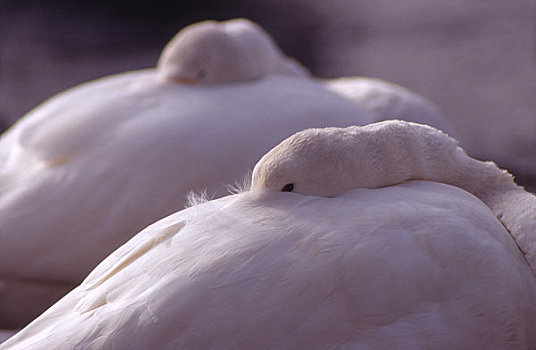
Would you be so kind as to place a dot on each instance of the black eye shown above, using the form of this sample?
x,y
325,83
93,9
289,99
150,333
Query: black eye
x,y
287,188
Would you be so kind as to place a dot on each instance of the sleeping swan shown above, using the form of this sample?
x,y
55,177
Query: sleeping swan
x,y
86,170
395,152
354,257
237,50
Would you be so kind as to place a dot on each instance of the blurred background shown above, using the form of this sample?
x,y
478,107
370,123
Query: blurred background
x,y
476,59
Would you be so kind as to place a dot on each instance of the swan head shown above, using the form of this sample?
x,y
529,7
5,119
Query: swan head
x,y
211,52
327,162
317,162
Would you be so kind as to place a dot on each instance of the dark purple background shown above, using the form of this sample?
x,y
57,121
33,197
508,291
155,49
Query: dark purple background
x,y
475,59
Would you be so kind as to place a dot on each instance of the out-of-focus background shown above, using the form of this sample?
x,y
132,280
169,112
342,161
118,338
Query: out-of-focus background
x,y
475,59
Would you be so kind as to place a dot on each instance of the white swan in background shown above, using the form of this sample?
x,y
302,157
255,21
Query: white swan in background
x,y
386,100
338,264
204,53
86,170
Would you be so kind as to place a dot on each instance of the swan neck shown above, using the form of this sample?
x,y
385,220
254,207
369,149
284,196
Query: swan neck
x,y
516,209
512,205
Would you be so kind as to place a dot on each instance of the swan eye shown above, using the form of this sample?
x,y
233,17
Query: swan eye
x,y
287,188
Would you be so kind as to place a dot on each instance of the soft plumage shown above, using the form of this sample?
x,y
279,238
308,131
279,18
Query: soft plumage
x,y
86,170
92,166
413,265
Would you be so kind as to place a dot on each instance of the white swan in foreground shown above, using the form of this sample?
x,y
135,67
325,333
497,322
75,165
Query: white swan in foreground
x,y
339,264
86,170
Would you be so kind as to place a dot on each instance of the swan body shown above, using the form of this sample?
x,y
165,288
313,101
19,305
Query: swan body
x,y
367,265
415,265
86,170
386,100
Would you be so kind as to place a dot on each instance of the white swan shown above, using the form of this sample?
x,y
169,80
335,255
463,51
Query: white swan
x,y
86,170
395,152
391,101
241,50
417,265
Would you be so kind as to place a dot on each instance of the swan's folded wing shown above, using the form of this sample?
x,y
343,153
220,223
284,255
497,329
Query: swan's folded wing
x,y
139,245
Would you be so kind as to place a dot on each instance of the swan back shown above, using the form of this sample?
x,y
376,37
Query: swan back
x,y
421,264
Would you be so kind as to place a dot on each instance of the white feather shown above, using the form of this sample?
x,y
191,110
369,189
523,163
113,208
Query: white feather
x,y
404,264
417,265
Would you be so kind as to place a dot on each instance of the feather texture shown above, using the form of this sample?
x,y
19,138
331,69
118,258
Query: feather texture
x,y
417,265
